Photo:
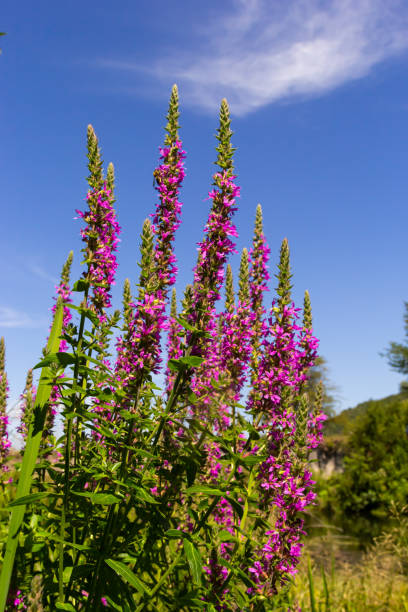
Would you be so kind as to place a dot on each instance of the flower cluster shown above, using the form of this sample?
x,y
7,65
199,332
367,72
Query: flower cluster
x,y
4,389
5,443
18,600
236,329
282,364
140,349
27,399
101,237
259,257
64,292
289,490
217,244
236,340
288,351
169,177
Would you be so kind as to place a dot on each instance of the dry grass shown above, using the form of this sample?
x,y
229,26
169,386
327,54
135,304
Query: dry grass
x,y
334,577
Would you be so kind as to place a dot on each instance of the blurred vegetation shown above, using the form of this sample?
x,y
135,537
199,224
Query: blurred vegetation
x,y
336,578
373,440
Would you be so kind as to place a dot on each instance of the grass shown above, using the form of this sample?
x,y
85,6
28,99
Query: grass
x,y
334,577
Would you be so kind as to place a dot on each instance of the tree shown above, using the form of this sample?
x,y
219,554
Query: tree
x,y
375,473
397,352
2,34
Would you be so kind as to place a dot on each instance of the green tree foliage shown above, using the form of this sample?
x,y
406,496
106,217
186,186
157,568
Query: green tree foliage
x,y
375,467
397,352
2,34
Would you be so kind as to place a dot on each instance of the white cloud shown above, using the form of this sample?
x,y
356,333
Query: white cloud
x,y
42,273
9,317
261,51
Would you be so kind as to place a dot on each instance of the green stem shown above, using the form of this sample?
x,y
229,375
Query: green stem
x,y
161,581
171,401
111,522
67,460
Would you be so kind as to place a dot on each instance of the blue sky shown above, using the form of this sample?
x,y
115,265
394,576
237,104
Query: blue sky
x,y
319,98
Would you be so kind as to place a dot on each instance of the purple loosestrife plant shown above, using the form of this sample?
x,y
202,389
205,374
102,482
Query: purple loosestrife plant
x,y
213,253
4,389
169,177
235,345
101,237
284,481
139,348
190,496
101,234
236,329
259,276
27,399
217,245
63,292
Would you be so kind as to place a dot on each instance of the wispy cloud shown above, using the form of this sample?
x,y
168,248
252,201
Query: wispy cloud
x,y
261,51
10,317
42,273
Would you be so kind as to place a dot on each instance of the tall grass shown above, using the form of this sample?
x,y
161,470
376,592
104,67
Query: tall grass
x,y
333,578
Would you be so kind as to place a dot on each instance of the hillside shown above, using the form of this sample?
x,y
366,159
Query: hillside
x,y
341,425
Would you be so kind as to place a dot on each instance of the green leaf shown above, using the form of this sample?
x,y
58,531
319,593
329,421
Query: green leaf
x,y
30,457
203,489
197,332
64,606
82,547
174,365
126,415
102,499
191,467
114,605
143,495
191,599
62,359
37,547
174,533
236,505
184,362
194,560
193,360
186,324
67,573
87,312
127,575
101,365
80,285
226,536
29,499
250,459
